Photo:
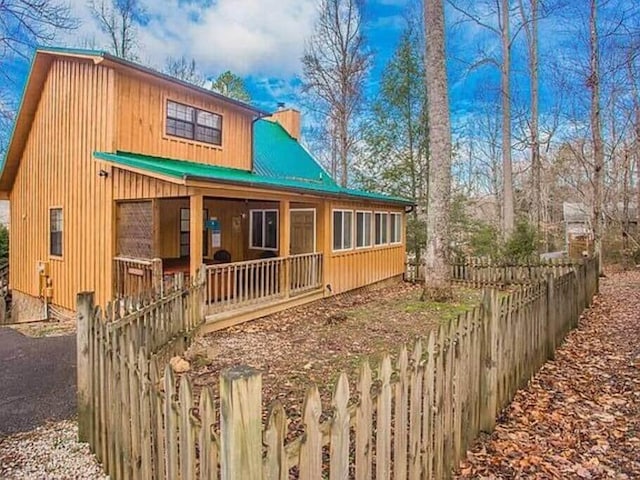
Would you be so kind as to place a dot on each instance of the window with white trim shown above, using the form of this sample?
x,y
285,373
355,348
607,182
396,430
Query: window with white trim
x,y
363,229
342,229
395,235
193,123
55,231
263,229
381,228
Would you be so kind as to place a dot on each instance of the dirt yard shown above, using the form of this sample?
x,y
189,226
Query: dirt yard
x,y
315,342
580,415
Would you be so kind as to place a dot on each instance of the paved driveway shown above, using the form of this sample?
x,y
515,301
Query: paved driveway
x,y
37,380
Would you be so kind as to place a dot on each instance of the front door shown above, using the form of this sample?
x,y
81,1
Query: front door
x,y
303,231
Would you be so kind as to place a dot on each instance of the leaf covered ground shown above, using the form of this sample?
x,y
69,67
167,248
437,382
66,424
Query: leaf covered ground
x,y
580,415
317,341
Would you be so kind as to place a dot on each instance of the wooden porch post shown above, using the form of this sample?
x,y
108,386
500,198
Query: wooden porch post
x,y
284,243
196,226
325,223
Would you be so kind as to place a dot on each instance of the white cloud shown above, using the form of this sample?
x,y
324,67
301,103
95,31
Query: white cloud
x,y
260,37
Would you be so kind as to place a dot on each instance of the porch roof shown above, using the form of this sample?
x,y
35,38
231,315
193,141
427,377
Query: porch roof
x,y
302,177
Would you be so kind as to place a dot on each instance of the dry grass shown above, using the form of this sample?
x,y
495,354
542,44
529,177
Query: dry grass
x,y
315,342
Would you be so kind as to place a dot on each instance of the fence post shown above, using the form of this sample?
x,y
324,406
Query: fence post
x,y
157,281
85,307
551,321
241,423
489,401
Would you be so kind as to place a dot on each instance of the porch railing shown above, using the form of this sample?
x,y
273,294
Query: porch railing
x,y
135,276
235,285
305,272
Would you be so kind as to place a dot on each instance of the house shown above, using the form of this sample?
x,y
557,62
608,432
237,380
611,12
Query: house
x,y
119,176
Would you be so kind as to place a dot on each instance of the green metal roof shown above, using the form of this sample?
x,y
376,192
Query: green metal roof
x,y
280,162
277,154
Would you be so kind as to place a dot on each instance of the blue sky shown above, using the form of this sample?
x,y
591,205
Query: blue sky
x,y
263,41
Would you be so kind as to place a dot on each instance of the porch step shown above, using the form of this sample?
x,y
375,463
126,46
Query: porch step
x,y
230,318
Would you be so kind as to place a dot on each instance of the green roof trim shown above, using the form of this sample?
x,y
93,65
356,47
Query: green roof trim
x,y
186,170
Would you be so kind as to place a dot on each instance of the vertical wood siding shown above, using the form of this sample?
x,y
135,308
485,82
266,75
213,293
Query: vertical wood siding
x,y
141,120
131,186
73,119
349,269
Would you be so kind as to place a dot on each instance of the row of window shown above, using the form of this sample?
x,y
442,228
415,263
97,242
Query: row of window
x,y
385,228
193,123
370,228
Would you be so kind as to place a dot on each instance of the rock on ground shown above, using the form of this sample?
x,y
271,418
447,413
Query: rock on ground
x,y
580,415
50,452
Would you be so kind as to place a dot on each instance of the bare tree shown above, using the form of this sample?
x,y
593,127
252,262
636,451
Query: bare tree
x,y
593,82
508,216
119,20
437,285
335,65
24,24
184,69
485,14
530,23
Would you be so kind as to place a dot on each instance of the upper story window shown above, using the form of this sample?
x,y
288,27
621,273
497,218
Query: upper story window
x,y
194,124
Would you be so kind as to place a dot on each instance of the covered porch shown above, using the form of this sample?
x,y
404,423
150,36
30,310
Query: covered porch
x,y
251,251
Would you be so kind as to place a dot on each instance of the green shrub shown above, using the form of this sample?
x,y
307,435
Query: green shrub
x,y
522,244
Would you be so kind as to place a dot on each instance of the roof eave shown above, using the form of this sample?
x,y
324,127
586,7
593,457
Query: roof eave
x,y
299,190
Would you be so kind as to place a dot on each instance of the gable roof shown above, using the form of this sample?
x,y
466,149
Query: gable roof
x,y
280,163
34,85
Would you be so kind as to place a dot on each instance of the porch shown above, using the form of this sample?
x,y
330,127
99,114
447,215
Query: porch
x,y
252,253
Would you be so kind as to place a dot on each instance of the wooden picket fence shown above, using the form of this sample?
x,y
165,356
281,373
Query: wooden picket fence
x,y
477,272
409,418
482,272
116,347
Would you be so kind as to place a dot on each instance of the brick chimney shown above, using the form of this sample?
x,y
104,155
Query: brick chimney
x,y
289,119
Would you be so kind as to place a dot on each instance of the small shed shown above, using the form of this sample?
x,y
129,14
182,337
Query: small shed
x,y
578,229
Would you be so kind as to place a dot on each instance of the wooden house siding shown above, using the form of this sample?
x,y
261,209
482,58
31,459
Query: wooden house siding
x,y
355,268
141,124
132,186
57,169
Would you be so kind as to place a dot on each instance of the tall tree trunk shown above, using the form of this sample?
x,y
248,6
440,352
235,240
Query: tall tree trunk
x,y
626,179
344,150
596,132
437,273
536,162
334,151
505,70
633,80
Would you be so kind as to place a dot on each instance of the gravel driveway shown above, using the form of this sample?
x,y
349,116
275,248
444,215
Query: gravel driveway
x,y
37,380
